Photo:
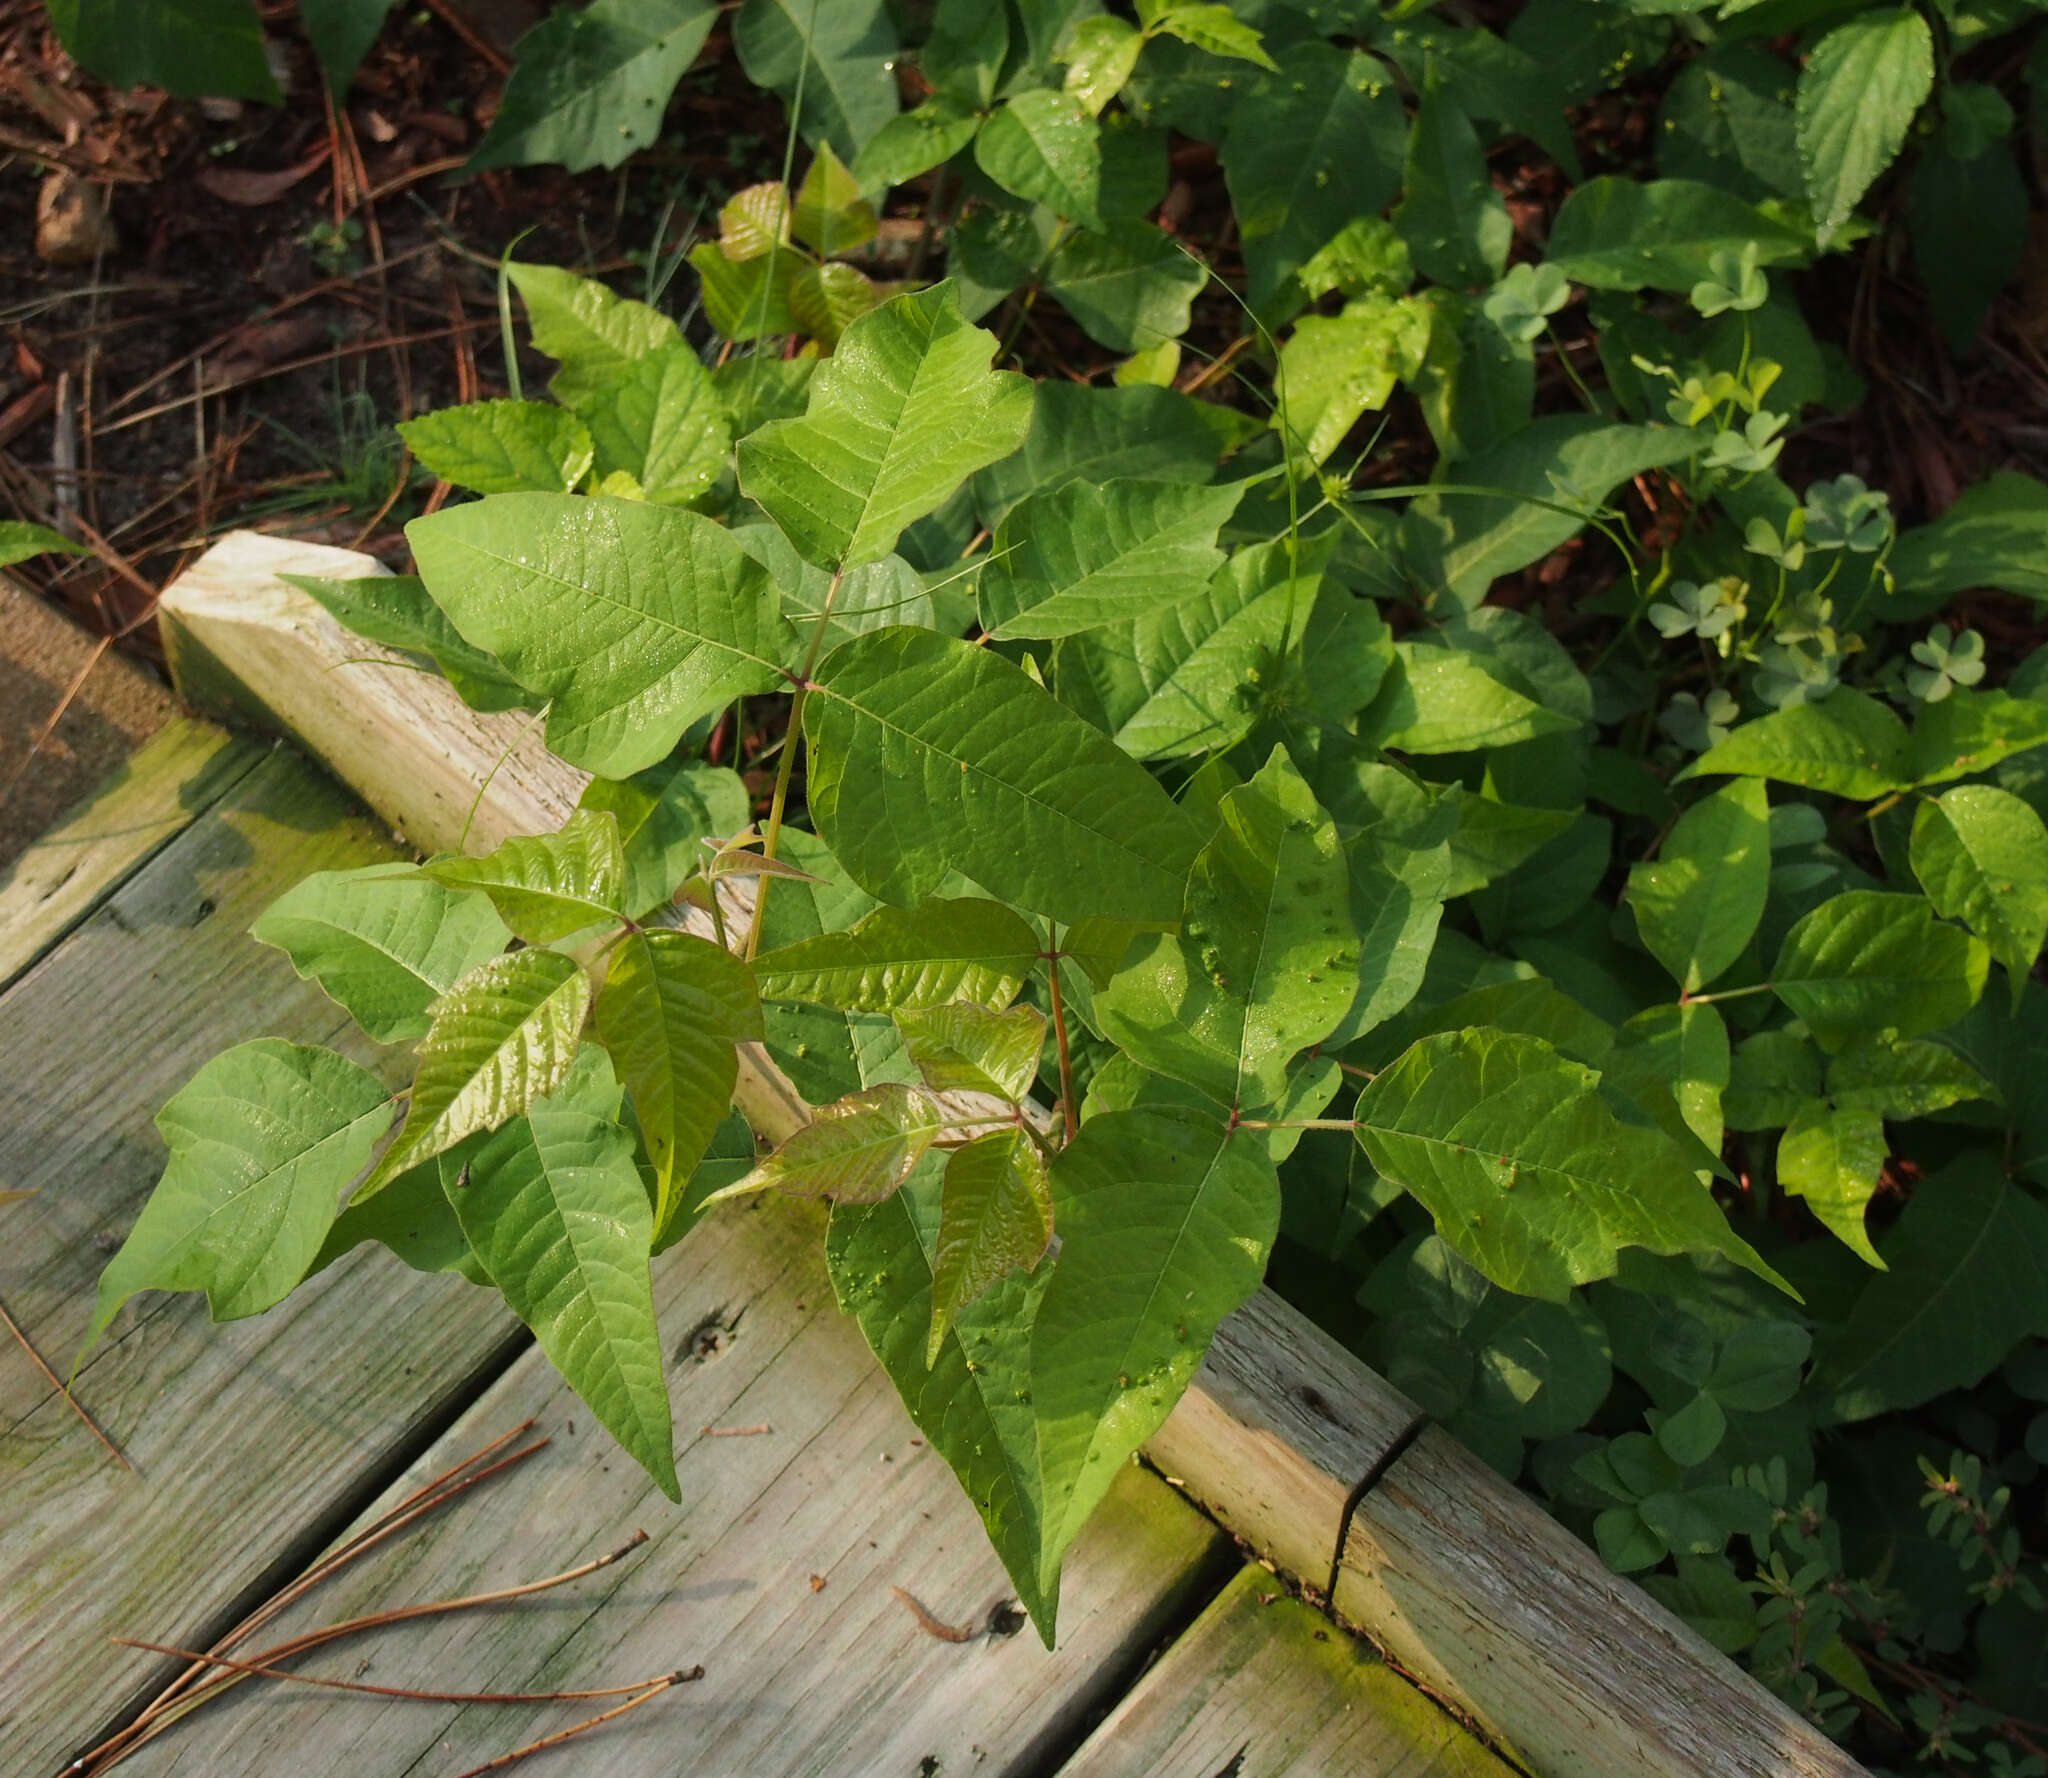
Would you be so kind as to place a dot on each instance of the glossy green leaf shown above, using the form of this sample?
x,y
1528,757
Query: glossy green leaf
x,y
1866,963
996,1218
590,86
1995,535
664,815
1972,731
1617,234
1859,92
547,886
671,1010
1685,1046
747,299
1266,960
1334,369
839,55
929,754
930,955
829,215
1831,1156
659,419
963,1047
1130,284
1982,856
825,300
592,331
1526,1168
1212,28
264,1140
1913,1078
1090,554
1165,1221
383,945
1444,700
19,540
914,142
1963,1288
394,609
555,1211
502,447
412,1218
1698,904
1848,744
1046,148
634,620
856,1150
1454,222
1100,53
504,1035
904,411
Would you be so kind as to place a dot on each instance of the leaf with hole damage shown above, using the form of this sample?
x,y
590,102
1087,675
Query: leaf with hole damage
x,y
1526,1168
383,945
634,620
930,755
671,1010
903,412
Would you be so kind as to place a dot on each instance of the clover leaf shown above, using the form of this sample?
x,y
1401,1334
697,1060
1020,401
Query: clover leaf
x,y
1946,661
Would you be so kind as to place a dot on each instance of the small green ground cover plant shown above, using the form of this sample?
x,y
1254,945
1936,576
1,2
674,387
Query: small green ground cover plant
x,y
1183,866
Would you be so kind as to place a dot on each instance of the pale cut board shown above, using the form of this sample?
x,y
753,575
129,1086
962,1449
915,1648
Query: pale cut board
x,y
775,1574
1487,1599
1260,1686
174,777
1280,1424
247,1439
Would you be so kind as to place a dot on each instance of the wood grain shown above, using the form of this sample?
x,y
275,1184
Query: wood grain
x,y
775,1573
249,1438
174,778
1261,1686
1488,1600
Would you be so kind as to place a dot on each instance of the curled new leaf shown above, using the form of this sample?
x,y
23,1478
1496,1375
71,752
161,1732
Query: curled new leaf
x,y
856,1151
971,1049
546,886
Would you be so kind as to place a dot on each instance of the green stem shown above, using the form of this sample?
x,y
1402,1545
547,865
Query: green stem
x,y
780,801
1723,994
1297,1123
1069,1111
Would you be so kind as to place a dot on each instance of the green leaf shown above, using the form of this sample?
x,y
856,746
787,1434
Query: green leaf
x,y
1129,285
830,216
1090,553
1995,535
1443,700
870,598
914,142
968,1048
671,1010
264,1140
663,814
1859,92
1336,368
903,411
930,955
1831,1157
553,1207
1305,153
660,420
1848,744
19,540
1727,120
590,87
1968,223
193,49
839,55
1526,1168
394,609
1100,54
1266,961
1454,222
1915,1078
1963,1288
412,1218
1216,30
341,32
855,1151
1165,1222
502,447
504,1035
1865,962
1186,679
593,332
973,1402
1982,856
547,886
929,754
1698,905
1972,731
747,299
1046,148
825,300
1617,234
997,1218
383,945
1685,1046
634,620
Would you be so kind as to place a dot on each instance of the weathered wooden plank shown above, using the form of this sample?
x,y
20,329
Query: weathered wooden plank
x,y
172,780
775,1573
1261,1686
1280,1424
229,613
246,1439
1487,1599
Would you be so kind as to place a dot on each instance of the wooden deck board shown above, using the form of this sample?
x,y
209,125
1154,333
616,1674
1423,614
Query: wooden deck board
x,y
1262,1687
799,1677
248,1438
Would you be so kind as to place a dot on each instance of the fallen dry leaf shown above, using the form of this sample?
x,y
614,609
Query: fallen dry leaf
x,y
233,185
